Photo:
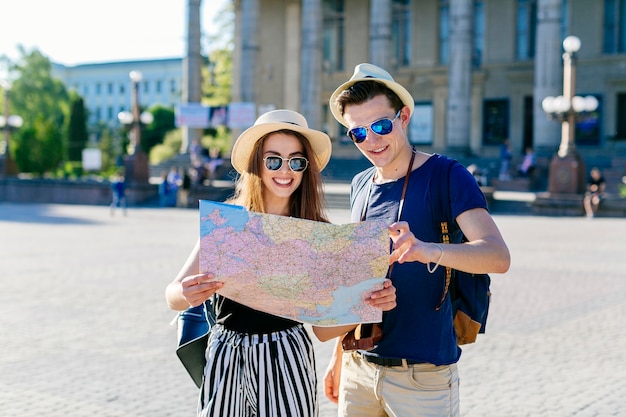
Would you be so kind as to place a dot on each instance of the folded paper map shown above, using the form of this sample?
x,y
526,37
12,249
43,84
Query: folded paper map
x,y
313,272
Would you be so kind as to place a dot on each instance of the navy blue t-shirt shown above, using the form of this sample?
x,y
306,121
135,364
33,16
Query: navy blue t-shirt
x,y
415,330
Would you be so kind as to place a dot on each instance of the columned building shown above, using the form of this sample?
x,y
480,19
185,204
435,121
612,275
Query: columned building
x,y
478,69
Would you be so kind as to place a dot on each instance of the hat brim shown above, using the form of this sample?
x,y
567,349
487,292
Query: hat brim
x,y
242,149
403,94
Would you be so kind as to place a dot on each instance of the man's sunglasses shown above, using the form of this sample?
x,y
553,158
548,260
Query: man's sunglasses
x,y
296,164
380,127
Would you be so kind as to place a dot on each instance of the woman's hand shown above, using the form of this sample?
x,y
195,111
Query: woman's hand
x,y
196,289
385,298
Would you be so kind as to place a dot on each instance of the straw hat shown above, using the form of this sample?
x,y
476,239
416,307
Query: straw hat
x,y
370,72
278,120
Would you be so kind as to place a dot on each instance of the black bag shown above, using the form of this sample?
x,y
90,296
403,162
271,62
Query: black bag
x,y
194,325
469,293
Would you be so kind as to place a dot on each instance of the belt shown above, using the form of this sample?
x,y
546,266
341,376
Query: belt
x,y
388,361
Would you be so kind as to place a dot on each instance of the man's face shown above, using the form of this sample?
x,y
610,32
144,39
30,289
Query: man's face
x,y
381,150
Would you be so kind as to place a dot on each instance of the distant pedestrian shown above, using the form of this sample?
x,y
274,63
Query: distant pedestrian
x,y
528,164
164,190
174,181
505,160
118,191
596,188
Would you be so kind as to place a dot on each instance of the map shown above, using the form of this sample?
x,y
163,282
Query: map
x,y
312,272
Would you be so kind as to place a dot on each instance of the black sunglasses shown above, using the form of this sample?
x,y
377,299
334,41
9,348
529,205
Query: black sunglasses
x,y
380,127
296,164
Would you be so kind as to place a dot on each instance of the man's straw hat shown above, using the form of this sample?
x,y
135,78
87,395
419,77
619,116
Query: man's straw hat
x,y
370,72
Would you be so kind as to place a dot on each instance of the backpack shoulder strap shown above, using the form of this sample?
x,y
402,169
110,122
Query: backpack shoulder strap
x,y
442,211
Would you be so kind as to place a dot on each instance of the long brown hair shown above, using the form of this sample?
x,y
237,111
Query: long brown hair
x,y
306,202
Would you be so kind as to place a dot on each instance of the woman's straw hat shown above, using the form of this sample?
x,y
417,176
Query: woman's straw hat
x,y
279,120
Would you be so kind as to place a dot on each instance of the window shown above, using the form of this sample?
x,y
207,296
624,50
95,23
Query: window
x,y
614,26
333,36
495,121
172,86
109,88
146,86
526,28
109,113
621,117
157,86
122,89
401,31
479,33
444,32
587,131
98,89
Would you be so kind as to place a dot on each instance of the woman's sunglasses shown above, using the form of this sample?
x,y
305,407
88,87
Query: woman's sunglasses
x,y
380,127
296,164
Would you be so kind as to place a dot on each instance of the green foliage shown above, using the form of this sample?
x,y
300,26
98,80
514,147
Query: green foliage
x,y
220,138
111,147
77,129
70,170
217,79
168,149
154,134
38,147
43,102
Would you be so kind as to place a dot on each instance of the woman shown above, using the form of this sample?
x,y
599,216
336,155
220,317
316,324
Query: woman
x,y
259,364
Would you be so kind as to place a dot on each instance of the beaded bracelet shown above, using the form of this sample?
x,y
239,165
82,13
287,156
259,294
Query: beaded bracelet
x,y
438,261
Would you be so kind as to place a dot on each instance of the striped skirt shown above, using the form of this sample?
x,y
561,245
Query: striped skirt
x,y
259,375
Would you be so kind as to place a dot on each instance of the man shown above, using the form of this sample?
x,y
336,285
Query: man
x,y
412,370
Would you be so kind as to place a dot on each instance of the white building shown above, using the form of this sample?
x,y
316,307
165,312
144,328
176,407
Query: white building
x,y
106,87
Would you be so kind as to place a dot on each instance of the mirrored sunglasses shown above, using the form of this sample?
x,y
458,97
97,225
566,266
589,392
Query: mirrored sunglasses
x,y
380,127
296,164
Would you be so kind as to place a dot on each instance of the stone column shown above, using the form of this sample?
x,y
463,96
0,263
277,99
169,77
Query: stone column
x,y
380,34
192,70
458,111
548,73
249,49
311,59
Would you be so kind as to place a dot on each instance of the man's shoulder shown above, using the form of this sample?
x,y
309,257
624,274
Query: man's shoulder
x,y
362,177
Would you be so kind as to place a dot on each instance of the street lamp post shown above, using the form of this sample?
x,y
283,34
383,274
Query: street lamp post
x,y
8,122
567,168
136,164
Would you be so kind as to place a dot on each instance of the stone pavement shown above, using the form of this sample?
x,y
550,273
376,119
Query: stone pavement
x,y
84,328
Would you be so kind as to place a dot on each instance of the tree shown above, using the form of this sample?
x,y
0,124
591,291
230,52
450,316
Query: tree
x,y
77,129
153,134
217,78
38,149
43,103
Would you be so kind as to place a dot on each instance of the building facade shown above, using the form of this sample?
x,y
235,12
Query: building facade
x,y
107,88
478,69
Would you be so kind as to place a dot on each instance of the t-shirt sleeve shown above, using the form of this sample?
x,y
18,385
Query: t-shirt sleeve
x,y
465,193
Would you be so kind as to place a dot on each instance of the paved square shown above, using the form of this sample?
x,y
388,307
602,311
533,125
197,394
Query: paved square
x,y
84,328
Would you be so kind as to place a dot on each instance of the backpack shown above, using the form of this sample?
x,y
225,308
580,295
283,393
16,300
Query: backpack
x,y
469,293
194,325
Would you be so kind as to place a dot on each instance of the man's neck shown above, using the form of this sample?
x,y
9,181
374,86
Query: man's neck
x,y
399,167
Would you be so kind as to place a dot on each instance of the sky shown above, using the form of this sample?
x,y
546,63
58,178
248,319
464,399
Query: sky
x,y
72,32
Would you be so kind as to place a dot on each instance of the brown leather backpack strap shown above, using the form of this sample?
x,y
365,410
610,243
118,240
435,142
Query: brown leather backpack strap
x,y
445,238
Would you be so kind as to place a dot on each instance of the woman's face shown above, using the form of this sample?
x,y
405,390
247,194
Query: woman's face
x,y
280,184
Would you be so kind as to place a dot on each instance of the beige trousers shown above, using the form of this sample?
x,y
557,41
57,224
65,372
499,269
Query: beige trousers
x,y
423,390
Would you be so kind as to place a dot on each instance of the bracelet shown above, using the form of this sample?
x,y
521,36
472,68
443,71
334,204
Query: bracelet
x,y
438,261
